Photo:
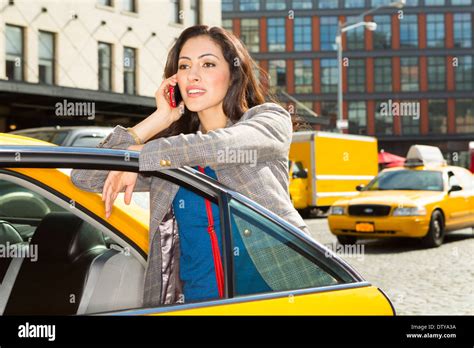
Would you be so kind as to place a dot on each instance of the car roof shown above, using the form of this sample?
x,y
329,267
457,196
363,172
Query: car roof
x,y
15,139
421,168
62,128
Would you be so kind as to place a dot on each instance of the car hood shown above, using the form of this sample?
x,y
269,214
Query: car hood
x,y
394,197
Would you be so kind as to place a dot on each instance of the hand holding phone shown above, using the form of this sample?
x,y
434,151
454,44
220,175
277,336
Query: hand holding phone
x,y
172,96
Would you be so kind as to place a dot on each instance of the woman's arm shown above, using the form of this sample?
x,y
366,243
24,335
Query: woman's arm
x,y
265,134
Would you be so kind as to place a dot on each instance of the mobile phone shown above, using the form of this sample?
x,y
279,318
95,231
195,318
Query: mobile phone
x,y
175,96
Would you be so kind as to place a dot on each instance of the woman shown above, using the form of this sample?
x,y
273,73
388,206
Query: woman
x,y
223,108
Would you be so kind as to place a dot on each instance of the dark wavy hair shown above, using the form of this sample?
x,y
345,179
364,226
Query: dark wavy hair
x,y
245,90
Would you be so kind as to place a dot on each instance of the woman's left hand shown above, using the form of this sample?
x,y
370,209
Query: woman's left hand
x,y
114,184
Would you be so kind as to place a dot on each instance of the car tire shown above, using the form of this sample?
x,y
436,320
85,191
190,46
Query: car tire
x,y
347,240
435,236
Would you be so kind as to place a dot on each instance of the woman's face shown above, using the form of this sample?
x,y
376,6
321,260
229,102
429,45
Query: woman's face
x,y
203,74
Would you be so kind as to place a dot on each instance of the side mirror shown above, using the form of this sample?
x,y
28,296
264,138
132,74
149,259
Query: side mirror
x,y
454,188
360,187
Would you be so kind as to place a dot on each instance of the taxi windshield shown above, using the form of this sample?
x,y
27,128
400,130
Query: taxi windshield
x,y
417,180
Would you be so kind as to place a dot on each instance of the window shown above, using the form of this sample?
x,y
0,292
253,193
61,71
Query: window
x,y
46,54
175,11
437,117
383,122
249,33
355,37
129,70
383,74
435,30
303,76
277,72
249,5
357,116
227,5
302,34
129,5
328,31
434,2
302,4
14,53
462,30
409,72
410,123
276,34
409,31
354,3
268,259
412,3
461,2
195,12
275,4
105,66
382,37
464,74
376,3
328,4
436,73
105,2
256,69
356,75
227,24
465,115
329,73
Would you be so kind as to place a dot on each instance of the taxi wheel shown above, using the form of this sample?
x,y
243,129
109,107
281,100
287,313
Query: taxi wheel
x,y
346,240
435,236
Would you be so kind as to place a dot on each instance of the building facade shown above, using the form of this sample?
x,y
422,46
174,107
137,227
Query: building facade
x,y
409,81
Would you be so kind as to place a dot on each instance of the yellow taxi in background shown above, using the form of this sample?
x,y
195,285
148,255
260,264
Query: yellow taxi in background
x,y
423,199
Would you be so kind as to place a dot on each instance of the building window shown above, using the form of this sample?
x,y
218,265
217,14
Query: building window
x,y
354,3
436,73
249,5
464,74
409,31
410,74
303,76
105,2
105,66
227,24
434,2
411,3
465,115
129,5
383,74
357,116
376,3
256,69
356,75
328,4
302,4
410,124
462,30
435,30
355,37
302,34
276,34
275,4
437,117
46,57
129,71
382,37
461,2
329,74
195,12
328,31
383,121
249,33
14,53
227,5
175,11
277,72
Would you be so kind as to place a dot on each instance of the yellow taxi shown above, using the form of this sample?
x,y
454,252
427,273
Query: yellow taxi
x,y
423,199
60,255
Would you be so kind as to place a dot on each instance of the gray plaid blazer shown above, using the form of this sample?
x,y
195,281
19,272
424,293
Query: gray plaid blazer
x,y
264,130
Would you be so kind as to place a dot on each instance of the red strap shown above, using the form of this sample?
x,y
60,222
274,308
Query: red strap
x,y
215,247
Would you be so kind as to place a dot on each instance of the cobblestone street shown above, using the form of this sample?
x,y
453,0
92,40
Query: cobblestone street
x,y
417,280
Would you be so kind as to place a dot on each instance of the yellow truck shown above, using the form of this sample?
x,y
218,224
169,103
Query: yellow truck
x,y
324,167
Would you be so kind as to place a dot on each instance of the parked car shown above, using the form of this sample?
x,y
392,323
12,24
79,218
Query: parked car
x,y
83,136
68,226
423,199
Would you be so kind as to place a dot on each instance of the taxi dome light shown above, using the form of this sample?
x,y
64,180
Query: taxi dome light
x,y
419,155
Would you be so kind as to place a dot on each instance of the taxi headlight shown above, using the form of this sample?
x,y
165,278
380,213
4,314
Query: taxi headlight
x,y
409,211
336,210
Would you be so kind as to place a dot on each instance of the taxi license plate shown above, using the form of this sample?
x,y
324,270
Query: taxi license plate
x,y
365,227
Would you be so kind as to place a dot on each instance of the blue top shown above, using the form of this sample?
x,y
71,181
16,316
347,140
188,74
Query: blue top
x,y
197,270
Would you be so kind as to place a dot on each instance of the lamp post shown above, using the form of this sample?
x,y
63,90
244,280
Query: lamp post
x,y
342,28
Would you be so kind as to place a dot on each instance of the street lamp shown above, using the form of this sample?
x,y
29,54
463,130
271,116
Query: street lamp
x,y
343,27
